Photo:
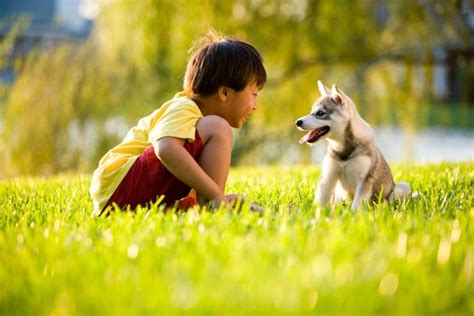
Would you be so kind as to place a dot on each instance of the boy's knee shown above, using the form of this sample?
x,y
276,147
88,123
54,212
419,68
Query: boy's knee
x,y
213,126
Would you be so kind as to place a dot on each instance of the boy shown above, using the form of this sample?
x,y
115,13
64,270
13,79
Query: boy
x,y
186,143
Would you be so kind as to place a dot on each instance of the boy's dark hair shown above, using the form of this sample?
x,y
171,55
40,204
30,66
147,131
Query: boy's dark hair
x,y
222,61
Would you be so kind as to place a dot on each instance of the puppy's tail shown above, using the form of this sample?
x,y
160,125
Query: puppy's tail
x,y
400,191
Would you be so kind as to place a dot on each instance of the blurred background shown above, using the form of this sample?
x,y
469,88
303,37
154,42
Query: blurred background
x,y
75,75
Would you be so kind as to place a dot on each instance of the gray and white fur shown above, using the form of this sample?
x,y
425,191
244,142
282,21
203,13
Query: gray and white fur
x,y
353,165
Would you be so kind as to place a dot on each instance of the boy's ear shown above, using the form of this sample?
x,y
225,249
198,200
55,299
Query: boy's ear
x,y
223,93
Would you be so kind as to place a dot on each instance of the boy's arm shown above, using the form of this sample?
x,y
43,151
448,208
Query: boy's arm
x,y
182,165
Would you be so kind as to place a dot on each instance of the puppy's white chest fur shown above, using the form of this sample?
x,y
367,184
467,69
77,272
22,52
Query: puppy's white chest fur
x,y
351,172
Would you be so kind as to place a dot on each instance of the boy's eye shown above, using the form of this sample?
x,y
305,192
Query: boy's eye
x,y
255,94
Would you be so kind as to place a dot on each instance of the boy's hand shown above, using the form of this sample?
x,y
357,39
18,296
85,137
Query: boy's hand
x,y
227,199
233,198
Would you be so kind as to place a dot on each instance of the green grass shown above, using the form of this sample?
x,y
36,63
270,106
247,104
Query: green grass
x,y
416,257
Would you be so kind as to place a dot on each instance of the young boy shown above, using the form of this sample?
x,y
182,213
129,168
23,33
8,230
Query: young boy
x,y
186,143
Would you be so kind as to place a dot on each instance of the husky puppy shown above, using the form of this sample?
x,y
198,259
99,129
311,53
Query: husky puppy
x,y
353,165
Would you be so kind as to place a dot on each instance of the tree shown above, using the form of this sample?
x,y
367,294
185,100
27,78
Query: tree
x,y
60,105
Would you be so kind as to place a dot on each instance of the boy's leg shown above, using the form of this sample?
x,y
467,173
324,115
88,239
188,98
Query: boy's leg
x,y
216,136
148,179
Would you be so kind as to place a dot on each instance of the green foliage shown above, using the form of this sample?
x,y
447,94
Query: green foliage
x,y
8,40
45,109
415,257
136,55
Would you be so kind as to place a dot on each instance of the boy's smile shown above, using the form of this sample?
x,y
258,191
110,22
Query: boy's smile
x,y
233,106
240,104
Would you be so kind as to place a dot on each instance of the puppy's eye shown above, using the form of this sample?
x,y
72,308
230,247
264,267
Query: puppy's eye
x,y
320,113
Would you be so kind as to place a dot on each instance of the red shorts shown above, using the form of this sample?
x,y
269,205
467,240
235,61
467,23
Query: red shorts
x,y
148,179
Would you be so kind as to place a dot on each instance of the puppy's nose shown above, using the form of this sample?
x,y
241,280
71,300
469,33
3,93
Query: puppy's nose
x,y
299,122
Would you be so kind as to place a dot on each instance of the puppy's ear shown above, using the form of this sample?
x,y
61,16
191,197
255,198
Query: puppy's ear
x,y
335,95
323,89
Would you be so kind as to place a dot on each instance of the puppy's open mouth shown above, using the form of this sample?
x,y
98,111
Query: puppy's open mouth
x,y
314,135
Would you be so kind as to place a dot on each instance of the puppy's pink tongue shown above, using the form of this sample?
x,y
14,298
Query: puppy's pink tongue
x,y
305,138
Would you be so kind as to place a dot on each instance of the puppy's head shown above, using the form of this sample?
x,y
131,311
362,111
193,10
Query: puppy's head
x,y
328,116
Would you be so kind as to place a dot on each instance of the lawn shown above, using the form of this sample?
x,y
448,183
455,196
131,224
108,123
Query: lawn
x,y
415,257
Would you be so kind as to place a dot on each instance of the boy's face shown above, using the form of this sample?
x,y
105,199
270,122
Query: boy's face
x,y
241,104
